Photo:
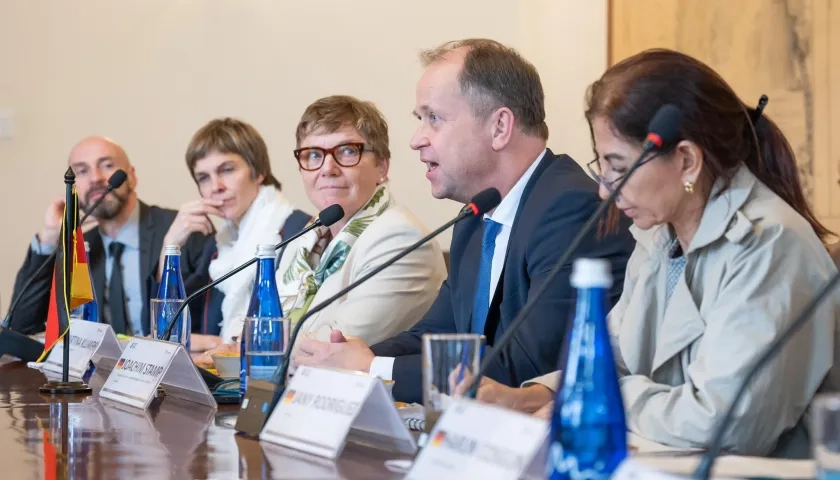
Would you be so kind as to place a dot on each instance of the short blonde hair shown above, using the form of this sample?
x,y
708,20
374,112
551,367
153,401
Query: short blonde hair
x,y
229,135
330,114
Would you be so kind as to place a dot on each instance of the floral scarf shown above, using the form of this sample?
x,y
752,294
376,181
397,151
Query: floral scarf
x,y
319,255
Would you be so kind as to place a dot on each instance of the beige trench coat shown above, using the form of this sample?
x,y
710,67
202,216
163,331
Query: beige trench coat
x,y
751,267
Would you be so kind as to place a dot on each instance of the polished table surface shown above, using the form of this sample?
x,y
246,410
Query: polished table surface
x,y
76,437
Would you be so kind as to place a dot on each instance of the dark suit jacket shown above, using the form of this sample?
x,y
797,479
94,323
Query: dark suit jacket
x,y
556,202
31,312
209,304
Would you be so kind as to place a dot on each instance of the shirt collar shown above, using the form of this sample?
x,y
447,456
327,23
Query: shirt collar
x,y
129,233
505,213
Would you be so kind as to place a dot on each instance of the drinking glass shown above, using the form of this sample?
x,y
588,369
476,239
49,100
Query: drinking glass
x,y
163,311
449,360
826,435
266,341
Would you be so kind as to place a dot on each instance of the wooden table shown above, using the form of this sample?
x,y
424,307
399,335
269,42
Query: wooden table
x,y
80,437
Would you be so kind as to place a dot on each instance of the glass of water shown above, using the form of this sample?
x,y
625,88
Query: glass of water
x,y
826,435
266,342
162,312
449,361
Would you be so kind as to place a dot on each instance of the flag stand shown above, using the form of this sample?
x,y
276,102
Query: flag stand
x,y
71,218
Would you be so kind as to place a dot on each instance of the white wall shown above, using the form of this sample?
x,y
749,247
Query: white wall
x,y
150,73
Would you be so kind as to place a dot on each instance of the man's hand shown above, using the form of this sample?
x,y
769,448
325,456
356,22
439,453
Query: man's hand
x,y
346,353
52,223
527,400
191,218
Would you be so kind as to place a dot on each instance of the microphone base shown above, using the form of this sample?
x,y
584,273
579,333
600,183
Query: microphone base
x,y
65,388
257,405
19,345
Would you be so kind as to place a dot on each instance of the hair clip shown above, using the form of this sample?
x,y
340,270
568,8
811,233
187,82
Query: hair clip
x,y
756,114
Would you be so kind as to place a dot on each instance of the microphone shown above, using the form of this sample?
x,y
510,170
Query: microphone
x,y
327,217
114,182
704,469
251,421
663,130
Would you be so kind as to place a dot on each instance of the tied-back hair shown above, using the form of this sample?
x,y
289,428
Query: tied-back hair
x,y
714,118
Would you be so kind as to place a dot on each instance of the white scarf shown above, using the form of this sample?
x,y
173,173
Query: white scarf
x,y
236,245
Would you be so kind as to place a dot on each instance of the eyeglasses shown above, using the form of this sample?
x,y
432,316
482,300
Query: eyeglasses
x,y
594,168
345,154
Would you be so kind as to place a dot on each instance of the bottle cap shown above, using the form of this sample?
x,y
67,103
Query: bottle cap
x,y
266,250
172,250
591,273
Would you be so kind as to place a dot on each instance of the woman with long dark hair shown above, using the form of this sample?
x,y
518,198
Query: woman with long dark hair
x,y
728,252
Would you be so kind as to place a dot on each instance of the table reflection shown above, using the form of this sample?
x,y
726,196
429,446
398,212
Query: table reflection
x,y
86,437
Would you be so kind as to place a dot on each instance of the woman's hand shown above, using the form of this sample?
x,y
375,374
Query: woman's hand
x,y
201,343
192,217
206,358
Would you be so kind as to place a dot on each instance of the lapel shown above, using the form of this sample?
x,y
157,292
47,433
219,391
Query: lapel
x,y
680,323
149,238
512,263
680,326
545,162
469,261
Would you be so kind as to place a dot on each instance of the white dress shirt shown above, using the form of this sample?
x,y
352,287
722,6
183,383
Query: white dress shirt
x,y
129,236
505,214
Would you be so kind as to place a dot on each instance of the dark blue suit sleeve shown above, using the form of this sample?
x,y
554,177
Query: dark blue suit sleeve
x,y
30,315
407,346
535,348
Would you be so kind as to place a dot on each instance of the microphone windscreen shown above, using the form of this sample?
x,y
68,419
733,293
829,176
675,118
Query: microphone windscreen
x,y
331,214
117,179
485,201
666,123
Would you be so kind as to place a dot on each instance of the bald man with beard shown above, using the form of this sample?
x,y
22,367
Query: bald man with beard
x,y
128,240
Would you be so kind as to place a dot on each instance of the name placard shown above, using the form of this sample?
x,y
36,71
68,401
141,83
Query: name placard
x,y
147,363
89,342
475,440
322,409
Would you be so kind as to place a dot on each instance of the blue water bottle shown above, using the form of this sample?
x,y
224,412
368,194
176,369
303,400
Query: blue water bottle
x,y
588,427
172,288
90,310
262,333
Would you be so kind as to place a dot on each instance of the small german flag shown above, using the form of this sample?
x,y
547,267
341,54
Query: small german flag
x,y
81,289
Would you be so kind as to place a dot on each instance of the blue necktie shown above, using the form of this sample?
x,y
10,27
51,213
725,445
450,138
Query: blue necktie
x,y
481,304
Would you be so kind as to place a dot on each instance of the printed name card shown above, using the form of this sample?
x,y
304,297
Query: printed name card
x,y
474,440
89,342
322,409
147,363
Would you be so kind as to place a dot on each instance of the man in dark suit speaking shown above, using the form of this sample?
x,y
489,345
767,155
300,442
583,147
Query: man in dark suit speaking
x,y
124,249
481,114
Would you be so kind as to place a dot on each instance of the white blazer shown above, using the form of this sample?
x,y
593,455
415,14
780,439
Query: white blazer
x,y
391,301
